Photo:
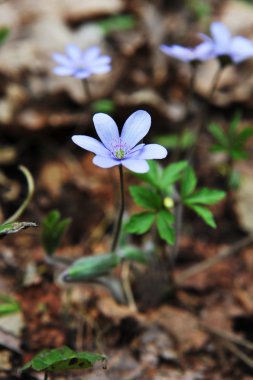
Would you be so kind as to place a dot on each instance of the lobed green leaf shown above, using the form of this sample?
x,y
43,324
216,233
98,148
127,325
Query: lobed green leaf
x,y
145,197
140,223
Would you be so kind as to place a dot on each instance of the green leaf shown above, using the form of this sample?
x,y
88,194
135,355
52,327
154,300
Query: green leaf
x,y
52,230
152,176
62,358
121,22
8,305
238,153
245,134
164,226
12,228
172,173
91,267
218,133
189,182
103,105
4,33
140,223
185,141
232,131
130,252
145,197
205,214
205,196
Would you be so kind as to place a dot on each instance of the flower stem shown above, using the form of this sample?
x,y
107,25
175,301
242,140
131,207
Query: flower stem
x,y
121,211
87,90
46,375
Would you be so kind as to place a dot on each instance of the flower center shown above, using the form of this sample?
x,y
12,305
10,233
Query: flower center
x,y
119,149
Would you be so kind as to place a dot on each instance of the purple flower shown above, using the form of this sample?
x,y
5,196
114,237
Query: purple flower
x,y
201,52
121,149
81,64
236,48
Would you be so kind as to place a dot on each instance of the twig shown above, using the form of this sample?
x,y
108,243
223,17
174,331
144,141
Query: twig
x,y
206,264
238,353
228,336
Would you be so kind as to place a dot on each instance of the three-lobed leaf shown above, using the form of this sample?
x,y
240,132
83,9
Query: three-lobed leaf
x,y
165,229
145,197
205,214
205,196
152,176
140,223
172,173
188,183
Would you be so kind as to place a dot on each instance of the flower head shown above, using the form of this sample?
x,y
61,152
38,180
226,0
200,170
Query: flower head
x,y
121,149
236,48
201,52
81,64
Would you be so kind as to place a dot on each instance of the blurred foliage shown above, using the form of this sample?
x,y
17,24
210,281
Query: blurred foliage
x,y
4,33
103,105
8,305
114,23
184,141
53,227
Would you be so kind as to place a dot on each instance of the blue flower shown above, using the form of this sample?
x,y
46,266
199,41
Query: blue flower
x,y
236,48
201,52
81,64
121,149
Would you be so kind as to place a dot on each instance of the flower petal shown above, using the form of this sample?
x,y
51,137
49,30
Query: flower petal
x,y
241,49
61,59
204,51
106,128
103,60
105,162
62,71
101,69
178,52
221,36
90,54
135,128
74,52
137,166
82,73
151,151
90,144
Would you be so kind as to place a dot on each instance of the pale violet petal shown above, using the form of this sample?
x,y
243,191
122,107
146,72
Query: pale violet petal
x,y
106,128
90,54
221,36
103,60
74,52
137,166
101,69
136,149
151,151
82,73
204,51
241,49
62,71
90,144
105,162
61,59
135,128
178,52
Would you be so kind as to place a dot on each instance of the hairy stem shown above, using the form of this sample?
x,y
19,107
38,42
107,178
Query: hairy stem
x,y
121,211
